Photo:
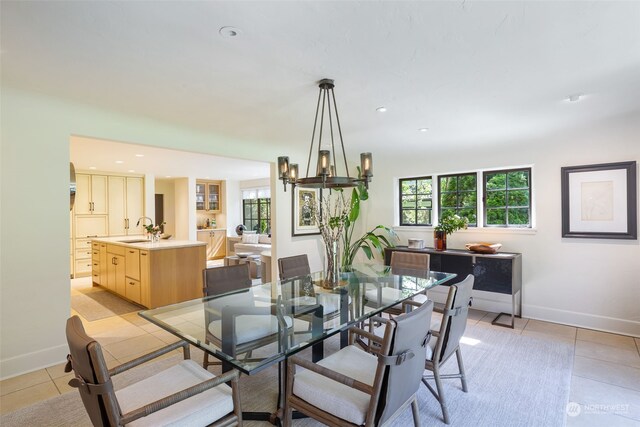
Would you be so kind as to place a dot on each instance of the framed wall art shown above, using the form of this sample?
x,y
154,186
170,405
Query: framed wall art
x,y
599,201
303,222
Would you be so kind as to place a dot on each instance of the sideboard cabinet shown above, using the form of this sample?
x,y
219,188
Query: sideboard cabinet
x,y
500,273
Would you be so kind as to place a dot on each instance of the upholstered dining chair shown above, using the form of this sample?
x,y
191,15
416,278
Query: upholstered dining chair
x,y
184,394
400,262
297,268
355,387
447,342
253,329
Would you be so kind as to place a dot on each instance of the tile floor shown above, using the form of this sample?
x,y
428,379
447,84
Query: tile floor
x,y
605,378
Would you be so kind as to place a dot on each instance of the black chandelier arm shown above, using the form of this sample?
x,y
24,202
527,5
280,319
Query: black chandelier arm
x,y
324,97
313,134
344,155
333,147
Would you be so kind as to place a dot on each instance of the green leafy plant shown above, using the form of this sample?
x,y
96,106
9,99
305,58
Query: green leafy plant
x,y
372,241
450,223
154,229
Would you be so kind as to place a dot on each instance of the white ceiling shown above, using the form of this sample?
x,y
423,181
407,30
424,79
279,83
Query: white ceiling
x,y
101,155
473,72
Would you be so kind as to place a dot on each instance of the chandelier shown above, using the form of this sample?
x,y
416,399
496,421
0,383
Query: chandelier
x,y
326,174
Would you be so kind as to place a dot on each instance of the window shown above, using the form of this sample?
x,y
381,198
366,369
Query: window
x,y
256,210
458,195
507,200
416,201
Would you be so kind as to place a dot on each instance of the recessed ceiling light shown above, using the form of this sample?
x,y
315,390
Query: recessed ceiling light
x,y
119,162
574,98
206,177
423,129
381,109
139,155
167,176
230,32
92,167
131,170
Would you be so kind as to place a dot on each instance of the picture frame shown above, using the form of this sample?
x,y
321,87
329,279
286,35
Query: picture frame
x,y
302,221
600,201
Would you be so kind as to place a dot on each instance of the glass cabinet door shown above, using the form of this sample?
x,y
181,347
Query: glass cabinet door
x,y
213,197
200,196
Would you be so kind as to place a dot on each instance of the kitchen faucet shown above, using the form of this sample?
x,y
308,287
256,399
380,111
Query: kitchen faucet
x,y
141,218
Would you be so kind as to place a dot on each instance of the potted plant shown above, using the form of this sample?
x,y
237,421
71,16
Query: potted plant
x,y
448,224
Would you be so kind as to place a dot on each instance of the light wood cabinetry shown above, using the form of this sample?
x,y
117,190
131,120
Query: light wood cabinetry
x,y
126,205
216,241
208,196
152,278
91,194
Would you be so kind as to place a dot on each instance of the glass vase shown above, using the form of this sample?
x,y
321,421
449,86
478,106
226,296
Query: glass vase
x,y
440,240
332,277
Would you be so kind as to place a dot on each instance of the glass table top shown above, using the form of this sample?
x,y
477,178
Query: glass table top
x,y
253,328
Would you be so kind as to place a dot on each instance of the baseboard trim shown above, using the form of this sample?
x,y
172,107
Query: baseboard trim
x,y
29,362
501,303
583,320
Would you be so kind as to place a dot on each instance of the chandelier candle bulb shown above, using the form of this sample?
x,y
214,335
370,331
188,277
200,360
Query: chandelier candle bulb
x,y
293,172
324,159
283,167
366,165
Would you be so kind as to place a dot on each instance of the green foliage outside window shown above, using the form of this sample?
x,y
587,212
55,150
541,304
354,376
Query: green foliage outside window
x,y
458,196
256,215
416,202
508,198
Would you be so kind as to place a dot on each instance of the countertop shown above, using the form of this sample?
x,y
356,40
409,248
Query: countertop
x,y
212,229
161,244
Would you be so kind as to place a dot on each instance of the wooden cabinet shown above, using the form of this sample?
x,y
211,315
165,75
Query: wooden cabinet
x,y
126,205
151,278
208,196
91,194
216,241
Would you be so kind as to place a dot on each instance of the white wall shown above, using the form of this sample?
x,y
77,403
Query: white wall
x,y
35,132
233,206
586,282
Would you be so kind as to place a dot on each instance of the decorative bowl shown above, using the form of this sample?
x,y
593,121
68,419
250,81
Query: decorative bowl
x,y
484,247
243,254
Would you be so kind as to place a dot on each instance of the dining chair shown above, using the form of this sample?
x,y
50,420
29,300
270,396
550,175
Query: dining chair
x,y
355,387
447,342
401,262
296,270
254,327
184,394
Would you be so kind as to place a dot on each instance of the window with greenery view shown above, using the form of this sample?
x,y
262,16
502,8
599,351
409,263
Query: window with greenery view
x,y
416,201
257,214
458,195
507,198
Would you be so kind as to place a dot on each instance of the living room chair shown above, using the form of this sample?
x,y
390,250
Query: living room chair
x,y
254,327
184,394
355,387
447,342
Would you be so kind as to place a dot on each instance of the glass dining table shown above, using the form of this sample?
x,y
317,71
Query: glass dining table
x,y
254,328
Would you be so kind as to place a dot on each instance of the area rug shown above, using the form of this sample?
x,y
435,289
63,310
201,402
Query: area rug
x,y
96,305
513,381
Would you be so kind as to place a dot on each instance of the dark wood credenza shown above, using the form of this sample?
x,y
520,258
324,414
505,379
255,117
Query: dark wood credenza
x,y
500,273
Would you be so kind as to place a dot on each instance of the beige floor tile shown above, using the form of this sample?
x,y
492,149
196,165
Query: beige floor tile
x,y
637,344
551,328
104,325
151,328
600,420
608,353
119,334
137,345
165,336
21,382
57,371
603,397
606,338
548,337
607,372
136,355
28,396
476,314
135,319
62,384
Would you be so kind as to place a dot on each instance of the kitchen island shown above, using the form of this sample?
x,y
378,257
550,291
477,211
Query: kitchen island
x,y
151,274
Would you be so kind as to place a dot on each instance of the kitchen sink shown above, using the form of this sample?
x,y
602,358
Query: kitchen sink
x,y
135,241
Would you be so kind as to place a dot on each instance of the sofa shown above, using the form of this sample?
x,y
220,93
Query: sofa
x,y
252,244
